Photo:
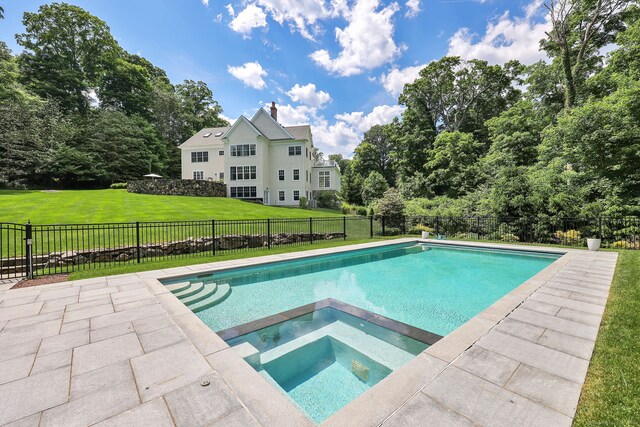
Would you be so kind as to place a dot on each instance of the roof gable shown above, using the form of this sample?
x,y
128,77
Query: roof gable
x,y
268,126
242,121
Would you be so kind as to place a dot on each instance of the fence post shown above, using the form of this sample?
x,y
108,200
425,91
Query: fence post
x,y
311,229
269,233
344,227
600,228
138,241
371,227
383,228
28,240
213,236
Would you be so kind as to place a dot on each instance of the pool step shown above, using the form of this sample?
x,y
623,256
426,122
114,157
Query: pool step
x,y
194,288
217,297
208,290
177,287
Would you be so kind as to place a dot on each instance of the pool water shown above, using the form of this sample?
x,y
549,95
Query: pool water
x,y
324,359
426,286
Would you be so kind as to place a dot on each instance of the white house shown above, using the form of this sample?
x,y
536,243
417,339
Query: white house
x,y
259,159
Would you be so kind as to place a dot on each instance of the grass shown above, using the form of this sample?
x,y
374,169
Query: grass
x,y
97,206
181,262
610,396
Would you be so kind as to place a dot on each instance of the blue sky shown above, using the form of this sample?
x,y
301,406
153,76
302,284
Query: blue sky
x,y
338,65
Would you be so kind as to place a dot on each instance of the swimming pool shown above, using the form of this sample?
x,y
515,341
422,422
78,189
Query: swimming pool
x,y
323,330
430,287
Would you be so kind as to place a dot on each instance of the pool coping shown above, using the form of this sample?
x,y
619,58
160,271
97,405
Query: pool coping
x,y
415,391
422,335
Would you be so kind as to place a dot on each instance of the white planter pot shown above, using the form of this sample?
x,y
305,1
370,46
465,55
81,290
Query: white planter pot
x,y
425,234
593,244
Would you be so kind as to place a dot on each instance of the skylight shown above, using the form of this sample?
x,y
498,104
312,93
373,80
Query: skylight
x,y
206,135
218,134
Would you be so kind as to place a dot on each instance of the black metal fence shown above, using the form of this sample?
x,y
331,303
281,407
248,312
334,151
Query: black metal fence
x,y
36,250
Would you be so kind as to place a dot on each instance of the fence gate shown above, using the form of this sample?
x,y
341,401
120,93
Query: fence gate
x,y
15,255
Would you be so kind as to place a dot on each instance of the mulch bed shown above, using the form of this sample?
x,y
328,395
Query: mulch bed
x,y
56,278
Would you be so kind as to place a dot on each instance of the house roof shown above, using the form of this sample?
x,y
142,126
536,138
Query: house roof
x,y
262,124
299,132
269,127
199,139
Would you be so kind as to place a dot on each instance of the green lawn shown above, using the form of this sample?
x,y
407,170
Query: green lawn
x,y
611,394
96,206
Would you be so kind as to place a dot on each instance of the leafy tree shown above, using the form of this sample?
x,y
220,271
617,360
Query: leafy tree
x,y
455,95
199,108
343,163
373,187
317,155
66,50
416,186
10,87
375,153
126,87
391,207
452,166
126,147
579,29
515,135
351,187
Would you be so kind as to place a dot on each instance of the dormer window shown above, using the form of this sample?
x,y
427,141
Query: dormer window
x,y
206,135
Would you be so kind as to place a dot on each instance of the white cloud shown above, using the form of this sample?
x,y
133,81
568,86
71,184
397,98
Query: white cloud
x,y
505,38
394,81
250,73
218,18
230,10
366,42
251,17
413,8
205,2
302,15
308,95
342,136
380,115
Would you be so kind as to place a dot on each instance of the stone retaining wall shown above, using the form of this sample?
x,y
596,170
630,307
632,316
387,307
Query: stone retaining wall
x,y
178,187
188,246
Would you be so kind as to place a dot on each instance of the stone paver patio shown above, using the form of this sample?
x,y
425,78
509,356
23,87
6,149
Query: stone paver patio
x,y
122,350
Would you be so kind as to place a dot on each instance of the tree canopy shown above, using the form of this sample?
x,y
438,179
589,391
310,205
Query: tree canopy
x,y
77,110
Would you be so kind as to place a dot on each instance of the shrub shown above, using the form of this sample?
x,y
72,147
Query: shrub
x,y
418,229
391,206
569,237
304,203
362,211
118,185
509,237
327,199
623,244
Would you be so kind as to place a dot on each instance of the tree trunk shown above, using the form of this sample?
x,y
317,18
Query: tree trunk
x,y
569,81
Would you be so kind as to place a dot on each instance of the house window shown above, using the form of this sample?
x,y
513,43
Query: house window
x,y
221,176
296,174
243,150
199,156
307,176
306,152
199,175
295,150
324,179
221,153
243,192
281,196
281,175
296,195
242,172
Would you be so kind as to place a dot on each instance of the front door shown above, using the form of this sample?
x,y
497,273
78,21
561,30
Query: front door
x,y
266,197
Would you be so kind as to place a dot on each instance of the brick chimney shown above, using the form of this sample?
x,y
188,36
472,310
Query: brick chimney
x,y
274,111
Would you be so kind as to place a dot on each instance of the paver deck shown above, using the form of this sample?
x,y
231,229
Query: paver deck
x,y
122,350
